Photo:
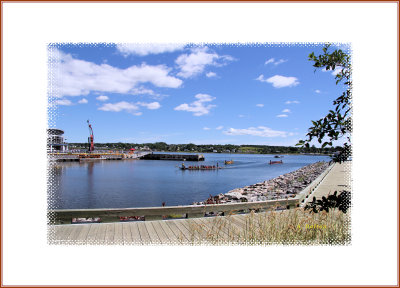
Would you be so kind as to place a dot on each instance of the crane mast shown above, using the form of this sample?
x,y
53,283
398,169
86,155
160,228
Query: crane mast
x,y
90,138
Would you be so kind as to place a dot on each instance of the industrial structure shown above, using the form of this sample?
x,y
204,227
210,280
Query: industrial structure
x,y
90,138
55,140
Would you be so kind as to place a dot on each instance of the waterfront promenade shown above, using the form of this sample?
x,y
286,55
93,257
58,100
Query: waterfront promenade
x,y
180,231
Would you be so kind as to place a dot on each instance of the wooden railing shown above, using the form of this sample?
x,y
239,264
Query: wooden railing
x,y
65,216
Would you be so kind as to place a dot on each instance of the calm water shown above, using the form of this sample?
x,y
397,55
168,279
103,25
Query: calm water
x,y
141,183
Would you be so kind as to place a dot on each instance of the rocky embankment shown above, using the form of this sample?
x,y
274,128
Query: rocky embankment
x,y
284,186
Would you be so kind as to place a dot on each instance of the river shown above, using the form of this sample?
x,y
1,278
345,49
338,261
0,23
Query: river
x,y
148,183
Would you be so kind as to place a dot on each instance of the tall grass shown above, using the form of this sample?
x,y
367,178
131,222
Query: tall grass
x,y
288,227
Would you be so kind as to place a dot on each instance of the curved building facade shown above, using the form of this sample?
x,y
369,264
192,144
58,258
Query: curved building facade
x,y
55,140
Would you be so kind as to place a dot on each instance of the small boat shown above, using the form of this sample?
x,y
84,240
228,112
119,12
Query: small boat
x,y
278,156
275,162
201,167
228,162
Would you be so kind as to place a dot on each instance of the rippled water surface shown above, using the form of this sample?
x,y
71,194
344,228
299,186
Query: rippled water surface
x,y
141,183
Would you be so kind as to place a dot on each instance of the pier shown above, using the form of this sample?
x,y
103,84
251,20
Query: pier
x,y
176,157
194,229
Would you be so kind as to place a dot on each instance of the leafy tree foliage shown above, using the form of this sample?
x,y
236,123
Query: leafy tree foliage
x,y
341,202
338,122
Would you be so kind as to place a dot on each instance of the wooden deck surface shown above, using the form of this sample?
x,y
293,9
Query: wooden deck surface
x,y
205,230
179,231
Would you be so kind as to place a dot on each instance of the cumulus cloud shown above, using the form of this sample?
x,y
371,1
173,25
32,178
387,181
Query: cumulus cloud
x,y
273,61
146,49
63,102
219,128
83,101
260,105
282,116
198,107
132,108
102,98
206,128
120,106
75,77
279,81
194,63
317,91
292,102
151,106
211,74
286,111
260,131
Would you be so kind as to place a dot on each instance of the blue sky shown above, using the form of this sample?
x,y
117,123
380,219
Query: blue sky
x,y
174,93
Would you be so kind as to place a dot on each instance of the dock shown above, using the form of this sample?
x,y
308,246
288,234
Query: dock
x,y
196,229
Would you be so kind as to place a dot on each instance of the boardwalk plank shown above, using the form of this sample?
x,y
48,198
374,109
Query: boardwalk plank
x,y
160,232
183,229
64,232
83,233
101,233
171,236
144,235
126,233
178,234
135,233
91,238
193,236
110,232
215,226
118,237
152,232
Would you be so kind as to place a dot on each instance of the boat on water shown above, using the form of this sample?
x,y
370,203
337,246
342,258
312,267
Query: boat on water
x,y
278,156
201,167
275,162
228,162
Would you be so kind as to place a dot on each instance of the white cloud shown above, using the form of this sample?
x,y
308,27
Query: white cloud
x,y
286,111
292,102
198,107
206,128
151,106
75,77
260,131
282,116
279,81
219,128
317,91
241,116
146,49
276,63
102,98
260,105
272,60
63,102
83,101
120,106
194,63
211,74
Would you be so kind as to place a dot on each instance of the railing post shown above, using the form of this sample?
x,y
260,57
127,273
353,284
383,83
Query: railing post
x,y
194,215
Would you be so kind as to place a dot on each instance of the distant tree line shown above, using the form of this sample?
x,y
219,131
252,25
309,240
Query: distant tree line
x,y
210,148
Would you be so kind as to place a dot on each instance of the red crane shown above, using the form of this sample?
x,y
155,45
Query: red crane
x,y
90,138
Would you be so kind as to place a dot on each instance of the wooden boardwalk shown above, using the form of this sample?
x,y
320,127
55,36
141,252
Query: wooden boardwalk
x,y
195,231
170,232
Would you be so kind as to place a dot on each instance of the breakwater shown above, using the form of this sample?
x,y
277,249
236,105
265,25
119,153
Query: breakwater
x,y
285,186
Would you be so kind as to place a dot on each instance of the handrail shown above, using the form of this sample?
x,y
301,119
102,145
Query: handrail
x,y
64,216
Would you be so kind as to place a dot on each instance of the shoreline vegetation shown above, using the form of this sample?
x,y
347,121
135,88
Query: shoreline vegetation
x,y
287,227
285,186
